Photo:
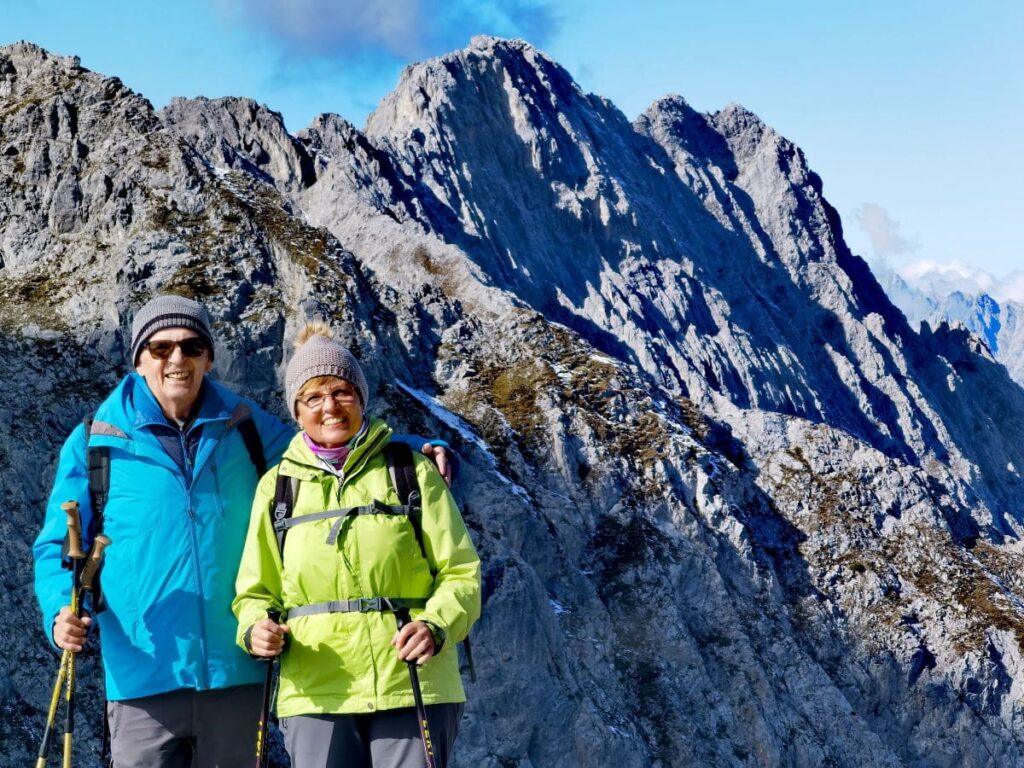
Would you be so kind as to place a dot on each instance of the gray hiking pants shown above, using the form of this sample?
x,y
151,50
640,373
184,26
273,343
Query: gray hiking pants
x,y
387,739
178,729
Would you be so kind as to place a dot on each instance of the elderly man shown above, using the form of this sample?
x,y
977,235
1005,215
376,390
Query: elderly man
x,y
181,483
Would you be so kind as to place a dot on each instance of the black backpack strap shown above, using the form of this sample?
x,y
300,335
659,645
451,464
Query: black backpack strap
x,y
98,465
403,478
253,444
401,470
97,462
285,491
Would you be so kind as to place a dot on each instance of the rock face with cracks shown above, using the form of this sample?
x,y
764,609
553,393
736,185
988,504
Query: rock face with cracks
x,y
733,510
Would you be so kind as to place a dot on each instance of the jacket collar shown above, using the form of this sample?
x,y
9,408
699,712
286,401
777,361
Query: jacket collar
x,y
212,405
299,461
131,405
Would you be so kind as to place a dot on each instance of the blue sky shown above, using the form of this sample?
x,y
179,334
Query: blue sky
x,y
911,112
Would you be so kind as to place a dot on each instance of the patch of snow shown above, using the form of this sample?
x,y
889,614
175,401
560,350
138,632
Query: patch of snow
x,y
466,432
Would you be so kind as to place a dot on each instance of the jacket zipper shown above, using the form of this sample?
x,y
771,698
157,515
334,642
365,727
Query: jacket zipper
x,y
204,668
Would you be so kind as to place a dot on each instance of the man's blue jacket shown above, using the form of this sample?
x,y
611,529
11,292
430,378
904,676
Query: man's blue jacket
x,y
177,520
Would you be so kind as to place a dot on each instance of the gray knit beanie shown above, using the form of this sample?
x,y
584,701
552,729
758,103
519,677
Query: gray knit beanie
x,y
322,356
169,312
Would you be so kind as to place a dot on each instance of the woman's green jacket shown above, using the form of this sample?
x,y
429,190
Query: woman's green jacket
x,y
344,663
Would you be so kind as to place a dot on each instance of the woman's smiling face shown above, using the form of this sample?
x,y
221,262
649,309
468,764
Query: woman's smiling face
x,y
329,411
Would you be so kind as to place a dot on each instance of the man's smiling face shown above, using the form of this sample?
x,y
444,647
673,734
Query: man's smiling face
x,y
175,379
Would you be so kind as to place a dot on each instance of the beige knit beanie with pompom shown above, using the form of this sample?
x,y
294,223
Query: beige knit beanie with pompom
x,y
319,354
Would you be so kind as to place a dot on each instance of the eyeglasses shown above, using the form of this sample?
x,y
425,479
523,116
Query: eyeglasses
x,y
190,347
343,395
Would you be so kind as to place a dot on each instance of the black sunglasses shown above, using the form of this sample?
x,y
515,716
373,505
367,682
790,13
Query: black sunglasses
x,y
191,347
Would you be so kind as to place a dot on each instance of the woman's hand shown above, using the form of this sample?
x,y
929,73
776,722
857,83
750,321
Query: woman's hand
x,y
266,638
414,642
69,631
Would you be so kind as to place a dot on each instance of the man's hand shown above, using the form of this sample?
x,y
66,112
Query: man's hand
x,y
440,457
69,631
266,639
414,642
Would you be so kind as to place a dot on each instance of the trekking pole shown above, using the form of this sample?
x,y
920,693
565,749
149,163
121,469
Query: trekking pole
x,y
268,684
402,618
86,576
73,540
51,717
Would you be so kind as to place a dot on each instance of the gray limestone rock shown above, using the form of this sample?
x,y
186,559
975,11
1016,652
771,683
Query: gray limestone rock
x,y
733,510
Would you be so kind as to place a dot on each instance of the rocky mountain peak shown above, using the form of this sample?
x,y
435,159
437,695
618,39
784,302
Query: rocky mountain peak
x,y
949,296
237,133
511,84
735,119
732,509
35,64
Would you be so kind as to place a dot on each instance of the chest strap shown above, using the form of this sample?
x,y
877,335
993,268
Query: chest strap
x,y
359,605
282,524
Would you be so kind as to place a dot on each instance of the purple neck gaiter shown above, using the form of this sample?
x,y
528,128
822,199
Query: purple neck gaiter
x,y
336,456
333,456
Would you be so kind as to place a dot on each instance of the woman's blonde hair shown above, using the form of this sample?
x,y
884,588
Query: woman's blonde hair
x,y
315,382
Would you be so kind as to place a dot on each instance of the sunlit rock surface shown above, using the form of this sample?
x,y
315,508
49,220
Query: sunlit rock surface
x,y
733,509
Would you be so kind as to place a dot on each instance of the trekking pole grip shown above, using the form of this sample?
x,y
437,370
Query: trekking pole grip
x,y
275,616
268,683
93,563
74,529
402,617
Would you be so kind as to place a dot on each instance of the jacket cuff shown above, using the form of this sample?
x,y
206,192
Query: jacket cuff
x,y
438,634
247,641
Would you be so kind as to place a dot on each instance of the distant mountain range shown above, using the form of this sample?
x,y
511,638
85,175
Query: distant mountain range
x,y
954,293
733,508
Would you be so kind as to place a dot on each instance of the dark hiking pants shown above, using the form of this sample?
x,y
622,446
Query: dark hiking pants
x,y
186,728
387,739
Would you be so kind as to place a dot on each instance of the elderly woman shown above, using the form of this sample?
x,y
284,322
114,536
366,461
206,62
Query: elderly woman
x,y
351,555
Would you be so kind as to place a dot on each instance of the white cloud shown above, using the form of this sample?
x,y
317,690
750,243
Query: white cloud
x,y
405,29
943,278
884,231
1012,287
328,28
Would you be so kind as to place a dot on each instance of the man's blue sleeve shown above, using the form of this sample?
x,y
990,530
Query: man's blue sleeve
x,y
416,443
52,580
